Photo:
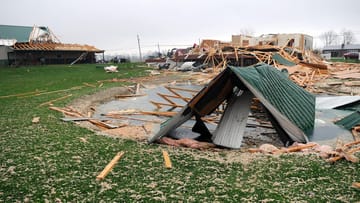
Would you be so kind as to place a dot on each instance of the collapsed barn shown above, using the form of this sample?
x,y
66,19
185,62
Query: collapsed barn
x,y
25,45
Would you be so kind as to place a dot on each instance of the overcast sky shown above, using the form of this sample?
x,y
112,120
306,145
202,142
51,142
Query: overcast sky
x,y
113,25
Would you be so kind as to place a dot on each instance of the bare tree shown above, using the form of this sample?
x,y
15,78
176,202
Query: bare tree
x,y
247,31
330,37
348,36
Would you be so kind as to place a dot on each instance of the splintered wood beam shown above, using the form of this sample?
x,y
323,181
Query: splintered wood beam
x,y
110,166
167,161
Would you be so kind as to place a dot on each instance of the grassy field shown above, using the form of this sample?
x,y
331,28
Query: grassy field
x,y
341,59
50,162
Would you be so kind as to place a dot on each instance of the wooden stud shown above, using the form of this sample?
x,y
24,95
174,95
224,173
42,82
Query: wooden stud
x,y
110,165
166,159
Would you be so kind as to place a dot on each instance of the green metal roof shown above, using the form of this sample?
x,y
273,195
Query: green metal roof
x,y
288,98
20,33
278,58
350,121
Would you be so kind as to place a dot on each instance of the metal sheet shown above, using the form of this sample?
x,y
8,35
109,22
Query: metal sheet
x,y
331,102
230,130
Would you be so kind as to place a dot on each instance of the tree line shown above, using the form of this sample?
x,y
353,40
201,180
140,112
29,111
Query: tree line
x,y
333,38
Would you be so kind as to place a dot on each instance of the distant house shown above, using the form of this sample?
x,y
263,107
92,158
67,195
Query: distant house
x,y
340,50
31,45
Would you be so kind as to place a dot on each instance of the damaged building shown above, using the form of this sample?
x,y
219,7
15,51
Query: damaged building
x,y
34,45
299,41
245,50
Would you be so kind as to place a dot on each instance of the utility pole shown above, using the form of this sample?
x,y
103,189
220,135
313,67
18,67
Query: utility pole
x,y
138,38
158,45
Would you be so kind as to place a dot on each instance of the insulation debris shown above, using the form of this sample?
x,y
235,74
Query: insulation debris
x,y
346,151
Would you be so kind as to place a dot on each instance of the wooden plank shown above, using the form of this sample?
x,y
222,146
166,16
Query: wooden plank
x,y
56,91
129,95
167,161
65,112
159,113
54,100
159,104
177,94
76,119
110,166
171,96
89,85
22,94
167,99
131,118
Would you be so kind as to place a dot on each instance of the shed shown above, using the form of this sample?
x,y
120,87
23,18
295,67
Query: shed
x,y
31,45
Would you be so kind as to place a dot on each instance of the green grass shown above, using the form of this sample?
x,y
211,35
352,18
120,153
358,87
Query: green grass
x,y
49,162
341,59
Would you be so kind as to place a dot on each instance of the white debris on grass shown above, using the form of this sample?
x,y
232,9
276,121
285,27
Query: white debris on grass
x,y
111,69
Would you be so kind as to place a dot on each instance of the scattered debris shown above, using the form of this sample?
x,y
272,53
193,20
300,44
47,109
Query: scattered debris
x,y
80,117
82,139
332,155
110,165
111,69
186,142
269,85
36,120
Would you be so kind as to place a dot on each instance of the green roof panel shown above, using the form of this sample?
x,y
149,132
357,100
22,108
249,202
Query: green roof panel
x,y
278,58
288,98
349,121
20,33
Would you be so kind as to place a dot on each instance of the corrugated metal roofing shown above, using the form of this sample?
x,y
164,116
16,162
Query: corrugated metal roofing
x,y
291,106
20,33
288,98
350,121
278,58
